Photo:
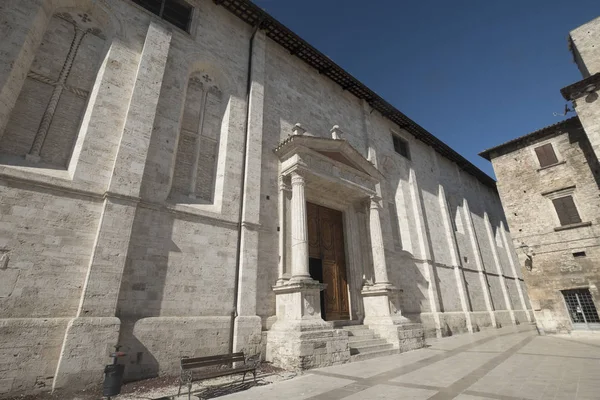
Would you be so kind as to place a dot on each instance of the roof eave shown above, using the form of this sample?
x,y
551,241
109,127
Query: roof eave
x,y
276,31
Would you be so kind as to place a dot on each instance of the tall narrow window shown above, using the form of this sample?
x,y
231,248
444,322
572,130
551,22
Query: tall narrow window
x,y
45,120
177,12
401,146
195,164
566,210
546,155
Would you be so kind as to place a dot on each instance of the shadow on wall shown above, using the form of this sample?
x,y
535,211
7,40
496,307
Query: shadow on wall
x,y
403,271
143,285
578,136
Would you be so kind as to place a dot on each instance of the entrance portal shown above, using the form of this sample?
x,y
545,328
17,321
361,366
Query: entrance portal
x,y
328,260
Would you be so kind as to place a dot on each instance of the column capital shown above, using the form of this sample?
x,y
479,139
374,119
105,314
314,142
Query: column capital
x,y
374,202
283,186
297,179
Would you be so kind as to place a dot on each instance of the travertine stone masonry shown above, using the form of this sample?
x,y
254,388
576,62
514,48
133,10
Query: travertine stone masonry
x,y
105,245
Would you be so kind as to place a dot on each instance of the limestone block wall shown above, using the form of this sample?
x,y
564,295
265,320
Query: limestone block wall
x,y
532,219
585,47
423,253
171,262
126,228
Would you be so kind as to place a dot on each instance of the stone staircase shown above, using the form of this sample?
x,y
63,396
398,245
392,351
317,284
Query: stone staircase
x,y
366,344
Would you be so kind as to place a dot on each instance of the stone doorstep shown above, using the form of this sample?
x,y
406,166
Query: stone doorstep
x,y
370,348
374,354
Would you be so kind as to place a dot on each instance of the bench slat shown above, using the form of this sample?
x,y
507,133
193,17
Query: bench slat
x,y
226,372
208,358
202,364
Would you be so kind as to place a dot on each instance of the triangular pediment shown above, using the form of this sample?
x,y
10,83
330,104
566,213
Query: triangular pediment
x,y
337,156
334,149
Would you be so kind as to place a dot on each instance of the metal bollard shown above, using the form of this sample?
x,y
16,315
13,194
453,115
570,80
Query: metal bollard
x,y
113,375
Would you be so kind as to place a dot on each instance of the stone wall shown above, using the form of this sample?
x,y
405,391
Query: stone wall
x,y
584,47
102,240
532,217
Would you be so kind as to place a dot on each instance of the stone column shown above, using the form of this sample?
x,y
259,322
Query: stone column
x,y
381,315
300,269
377,247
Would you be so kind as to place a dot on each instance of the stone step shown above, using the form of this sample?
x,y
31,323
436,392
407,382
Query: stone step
x,y
358,330
359,342
373,354
362,338
370,348
353,328
339,324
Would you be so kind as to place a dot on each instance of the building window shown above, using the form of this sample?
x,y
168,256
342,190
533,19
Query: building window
x,y
401,146
581,307
177,12
546,155
566,210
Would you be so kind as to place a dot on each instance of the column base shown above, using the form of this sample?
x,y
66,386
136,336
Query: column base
x,y
300,339
299,350
298,306
384,317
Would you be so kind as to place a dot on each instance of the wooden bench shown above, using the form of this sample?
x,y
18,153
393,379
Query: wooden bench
x,y
189,367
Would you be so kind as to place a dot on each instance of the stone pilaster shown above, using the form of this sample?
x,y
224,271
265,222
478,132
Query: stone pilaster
x,y
513,268
248,326
90,336
455,256
425,251
281,209
377,246
479,262
499,271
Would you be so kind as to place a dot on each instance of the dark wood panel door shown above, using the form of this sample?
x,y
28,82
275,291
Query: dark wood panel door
x,y
326,243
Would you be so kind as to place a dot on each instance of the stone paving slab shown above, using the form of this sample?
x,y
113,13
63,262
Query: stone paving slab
x,y
512,363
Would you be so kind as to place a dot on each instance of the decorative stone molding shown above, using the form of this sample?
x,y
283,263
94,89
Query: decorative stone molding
x,y
336,133
298,130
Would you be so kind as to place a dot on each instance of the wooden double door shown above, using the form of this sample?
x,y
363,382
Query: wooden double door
x,y
327,260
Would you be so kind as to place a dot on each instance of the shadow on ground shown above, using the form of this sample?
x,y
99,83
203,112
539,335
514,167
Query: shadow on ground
x,y
212,392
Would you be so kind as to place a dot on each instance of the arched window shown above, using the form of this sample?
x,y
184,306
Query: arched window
x,y
45,120
195,163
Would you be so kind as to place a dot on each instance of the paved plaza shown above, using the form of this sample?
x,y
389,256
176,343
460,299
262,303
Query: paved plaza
x,y
504,364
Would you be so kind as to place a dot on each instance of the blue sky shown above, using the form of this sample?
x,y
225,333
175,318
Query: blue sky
x,y
475,73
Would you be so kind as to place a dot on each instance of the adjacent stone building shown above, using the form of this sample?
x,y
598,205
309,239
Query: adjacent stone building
x,y
549,183
189,177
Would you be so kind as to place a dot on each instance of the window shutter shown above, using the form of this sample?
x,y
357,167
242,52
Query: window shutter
x,y
546,155
566,210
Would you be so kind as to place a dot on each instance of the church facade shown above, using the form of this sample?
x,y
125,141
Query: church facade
x,y
191,178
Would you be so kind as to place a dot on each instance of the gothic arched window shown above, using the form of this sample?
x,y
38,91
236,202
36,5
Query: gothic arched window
x,y
45,120
196,159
